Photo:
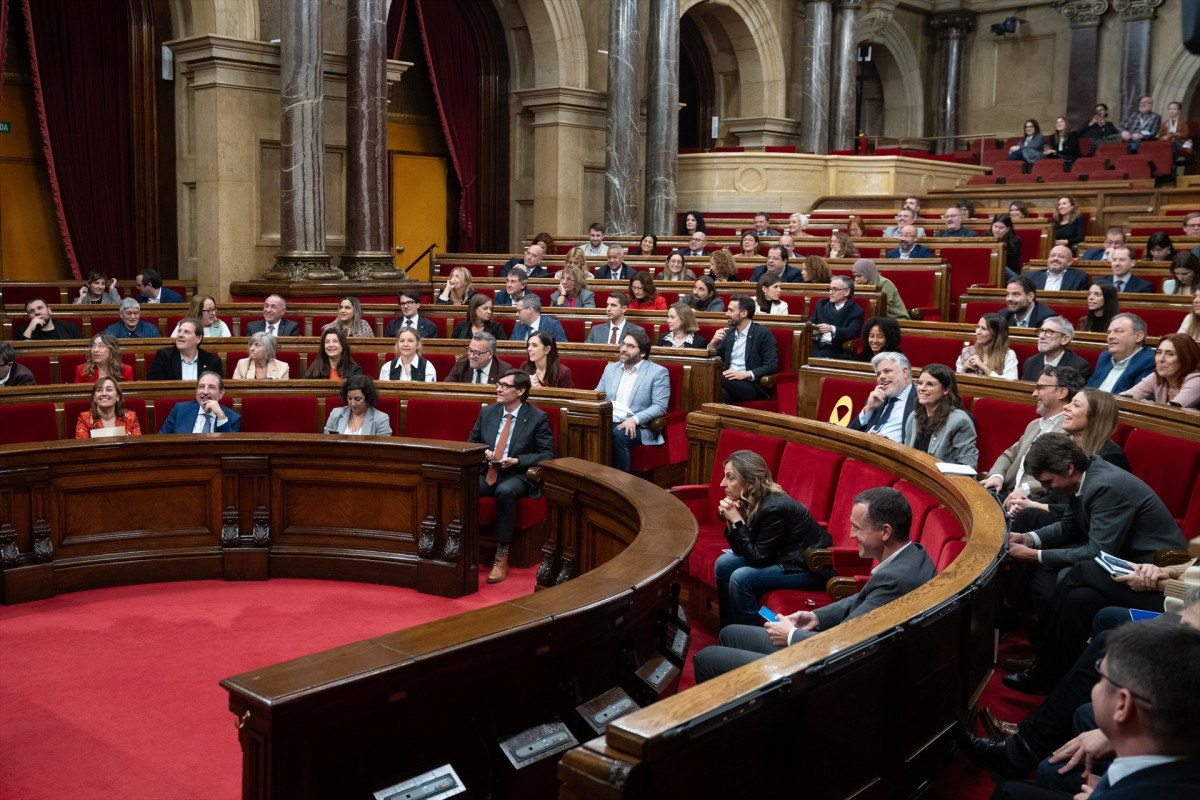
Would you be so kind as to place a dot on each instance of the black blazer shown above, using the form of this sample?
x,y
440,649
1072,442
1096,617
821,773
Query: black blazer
x,y
462,373
531,440
761,357
1132,284
287,327
605,274
1037,315
168,364
1034,364
781,533
463,330
847,324
1074,280
1173,779
427,328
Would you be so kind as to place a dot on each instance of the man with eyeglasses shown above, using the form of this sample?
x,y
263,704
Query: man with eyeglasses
x,y
410,317
1059,275
12,373
837,319
1054,388
153,291
132,326
531,262
954,219
480,364
1054,335
518,436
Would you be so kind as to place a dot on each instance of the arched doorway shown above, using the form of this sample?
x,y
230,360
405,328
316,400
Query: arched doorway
x,y
697,88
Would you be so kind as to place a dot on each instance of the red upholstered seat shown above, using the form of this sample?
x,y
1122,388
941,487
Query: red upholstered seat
x,y
674,449
19,295
280,414
442,362
574,329
833,389
452,420
855,477
73,408
922,503
1111,151
969,266
1159,321
1047,166
1008,169
1089,164
998,424
1136,167
586,372
982,180
809,475
1160,154
1191,522
1086,146
388,405
1022,179
1055,177
39,366
1169,465
916,288
28,422
925,350
942,537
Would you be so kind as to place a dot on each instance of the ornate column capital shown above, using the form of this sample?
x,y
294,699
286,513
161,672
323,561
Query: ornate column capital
x,y
1082,13
953,24
1134,10
849,5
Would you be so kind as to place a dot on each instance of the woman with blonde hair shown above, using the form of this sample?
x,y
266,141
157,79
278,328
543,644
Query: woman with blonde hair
x,y
796,225
572,290
681,328
769,534
457,291
103,361
721,265
408,365
576,257
349,320
108,411
260,363
204,308
990,355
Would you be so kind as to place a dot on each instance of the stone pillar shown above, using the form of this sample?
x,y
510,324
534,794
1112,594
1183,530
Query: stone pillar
x,y
845,62
814,136
302,254
1135,52
952,29
621,131
368,235
662,124
1084,18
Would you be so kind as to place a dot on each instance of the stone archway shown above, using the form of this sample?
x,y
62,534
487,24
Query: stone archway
x,y
899,72
1178,82
753,40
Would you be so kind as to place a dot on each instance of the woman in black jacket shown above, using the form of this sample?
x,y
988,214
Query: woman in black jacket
x,y
769,534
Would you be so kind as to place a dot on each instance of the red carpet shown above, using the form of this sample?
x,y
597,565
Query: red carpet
x,y
113,693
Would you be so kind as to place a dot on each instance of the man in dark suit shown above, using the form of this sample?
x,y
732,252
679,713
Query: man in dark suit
x,y
518,436
695,245
12,373
748,351
205,414
531,263
893,399
530,320
410,317
1023,309
1054,335
480,364
1112,511
908,245
777,263
515,286
879,521
1060,276
1113,238
273,322
615,269
954,220
613,332
1122,273
152,290
837,319
1127,360
185,359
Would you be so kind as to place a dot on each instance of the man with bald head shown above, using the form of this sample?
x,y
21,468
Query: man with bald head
x,y
1060,276
908,245
531,262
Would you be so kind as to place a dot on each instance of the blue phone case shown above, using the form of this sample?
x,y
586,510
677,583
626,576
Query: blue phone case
x,y
767,614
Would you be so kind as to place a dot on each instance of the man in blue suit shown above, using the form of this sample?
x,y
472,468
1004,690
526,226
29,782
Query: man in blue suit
x,y
1060,276
639,391
880,522
891,402
530,319
1113,238
1122,273
153,291
1128,360
748,351
837,319
954,221
205,414
777,262
908,245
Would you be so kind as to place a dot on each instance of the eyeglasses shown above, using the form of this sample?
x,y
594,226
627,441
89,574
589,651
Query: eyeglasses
x,y
503,385
477,353
407,303
1100,672
1050,332
1043,386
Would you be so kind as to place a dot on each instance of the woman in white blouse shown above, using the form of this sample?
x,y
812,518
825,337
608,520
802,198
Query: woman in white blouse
x,y
990,355
767,292
408,365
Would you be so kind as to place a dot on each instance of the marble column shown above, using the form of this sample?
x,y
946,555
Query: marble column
x,y
1084,18
621,130
814,131
302,254
1135,53
662,123
845,61
368,235
952,29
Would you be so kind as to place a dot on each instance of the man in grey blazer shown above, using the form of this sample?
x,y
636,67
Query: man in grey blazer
x,y
879,521
1053,389
518,436
1109,510
618,302
904,217
639,391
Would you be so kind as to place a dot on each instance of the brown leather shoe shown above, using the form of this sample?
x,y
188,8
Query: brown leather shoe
x,y
1019,664
499,569
995,727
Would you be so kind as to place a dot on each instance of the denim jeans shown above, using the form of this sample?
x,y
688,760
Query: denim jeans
x,y
739,587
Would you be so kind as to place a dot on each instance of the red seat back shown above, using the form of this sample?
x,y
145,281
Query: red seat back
x,y
574,329
40,367
998,424
586,372
388,405
28,422
855,477
1169,465
942,537
922,503
833,389
925,350
73,408
440,419
279,414
809,474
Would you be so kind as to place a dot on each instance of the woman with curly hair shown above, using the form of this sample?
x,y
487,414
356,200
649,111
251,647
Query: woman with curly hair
x,y
879,335
813,269
840,246
769,534
721,266
692,221
103,361
357,415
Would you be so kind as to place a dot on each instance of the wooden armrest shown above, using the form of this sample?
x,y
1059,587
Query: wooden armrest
x,y
534,475
1169,558
818,558
916,313
658,424
767,381
839,588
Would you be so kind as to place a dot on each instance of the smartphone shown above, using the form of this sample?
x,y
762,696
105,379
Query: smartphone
x,y
768,614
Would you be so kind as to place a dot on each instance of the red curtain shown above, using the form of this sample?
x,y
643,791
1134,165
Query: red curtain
x,y
80,55
454,69
3,43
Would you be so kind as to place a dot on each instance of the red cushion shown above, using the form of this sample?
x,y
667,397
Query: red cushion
x,y
925,350
73,408
809,475
940,530
998,424
833,389
28,422
922,503
855,477
586,372
440,419
280,414
1173,476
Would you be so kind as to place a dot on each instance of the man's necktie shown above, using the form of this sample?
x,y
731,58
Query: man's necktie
x,y
1121,285
612,336
408,322
478,376
882,414
271,329
208,424
501,443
